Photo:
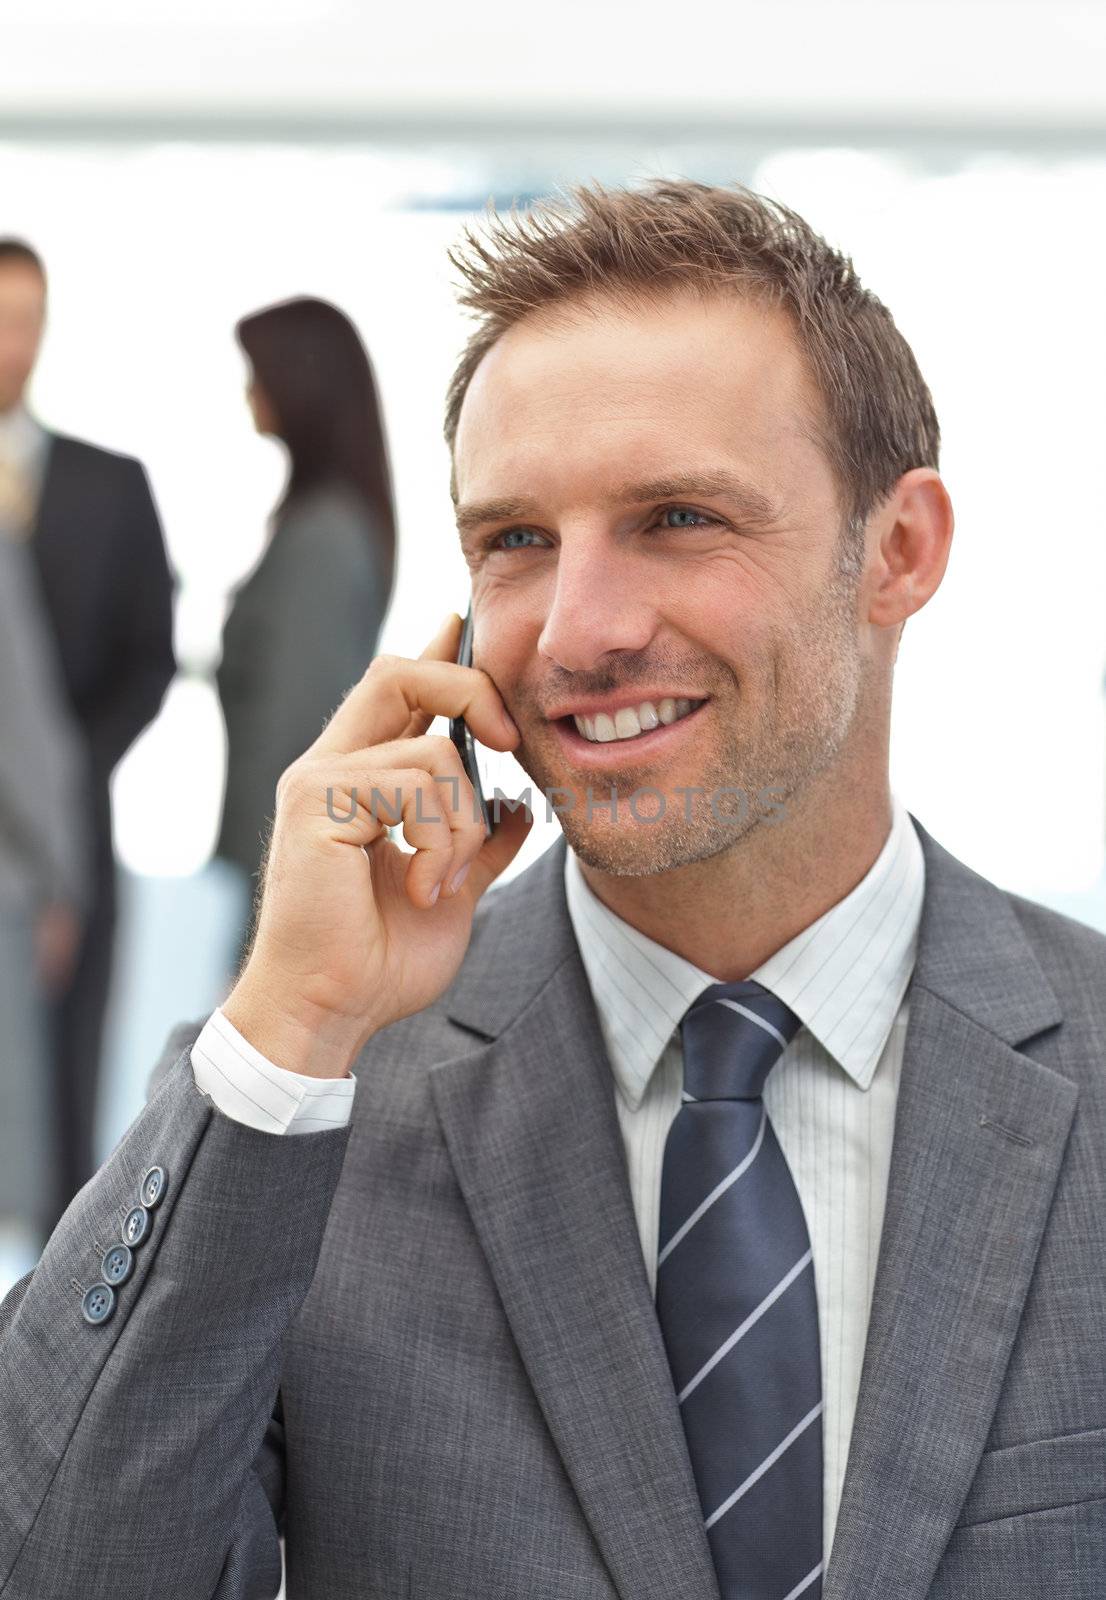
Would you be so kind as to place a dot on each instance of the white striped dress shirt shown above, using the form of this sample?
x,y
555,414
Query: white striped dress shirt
x,y
831,1096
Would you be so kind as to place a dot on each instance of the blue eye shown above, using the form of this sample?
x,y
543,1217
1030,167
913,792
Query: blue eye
x,y
681,512
509,533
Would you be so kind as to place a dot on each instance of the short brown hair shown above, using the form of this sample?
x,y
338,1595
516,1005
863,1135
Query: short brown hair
x,y
12,249
643,242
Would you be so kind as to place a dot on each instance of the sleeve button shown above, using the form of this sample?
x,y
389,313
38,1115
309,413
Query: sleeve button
x,y
98,1303
118,1264
136,1226
152,1190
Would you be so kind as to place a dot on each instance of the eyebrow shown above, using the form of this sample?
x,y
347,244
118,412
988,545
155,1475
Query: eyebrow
x,y
754,506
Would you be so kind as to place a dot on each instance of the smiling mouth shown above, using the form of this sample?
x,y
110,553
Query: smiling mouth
x,y
631,722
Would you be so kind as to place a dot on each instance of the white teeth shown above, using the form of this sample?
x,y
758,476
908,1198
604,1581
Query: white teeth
x,y
628,722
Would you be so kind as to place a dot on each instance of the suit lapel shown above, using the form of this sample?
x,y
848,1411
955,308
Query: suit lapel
x,y
980,1130
533,1136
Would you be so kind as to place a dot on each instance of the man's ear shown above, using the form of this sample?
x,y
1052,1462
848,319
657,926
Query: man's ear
x,y
913,534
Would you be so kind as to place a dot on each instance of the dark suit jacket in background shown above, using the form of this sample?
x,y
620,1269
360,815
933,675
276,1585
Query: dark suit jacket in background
x,y
474,1401
107,589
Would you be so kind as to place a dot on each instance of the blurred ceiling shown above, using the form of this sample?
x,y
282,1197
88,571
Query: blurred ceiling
x,y
1019,69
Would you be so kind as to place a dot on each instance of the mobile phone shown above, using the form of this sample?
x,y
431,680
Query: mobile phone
x,y
461,734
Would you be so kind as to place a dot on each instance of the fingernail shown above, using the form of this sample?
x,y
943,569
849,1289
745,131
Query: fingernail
x,y
460,878
435,892
511,724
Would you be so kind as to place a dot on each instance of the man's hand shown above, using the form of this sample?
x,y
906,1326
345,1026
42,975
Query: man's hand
x,y
352,932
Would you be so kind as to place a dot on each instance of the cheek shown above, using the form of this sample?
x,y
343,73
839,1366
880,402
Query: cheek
x,y
783,648
730,618
507,627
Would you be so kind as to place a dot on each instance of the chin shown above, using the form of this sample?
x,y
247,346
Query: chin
x,y
640,849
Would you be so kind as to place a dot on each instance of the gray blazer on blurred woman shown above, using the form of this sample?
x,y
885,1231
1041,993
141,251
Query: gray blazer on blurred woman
x,y
302,629
43,863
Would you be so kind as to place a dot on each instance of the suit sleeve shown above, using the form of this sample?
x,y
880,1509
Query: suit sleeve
x,y
144,663
141,1453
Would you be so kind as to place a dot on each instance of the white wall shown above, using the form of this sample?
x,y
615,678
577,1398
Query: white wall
x,y
900,61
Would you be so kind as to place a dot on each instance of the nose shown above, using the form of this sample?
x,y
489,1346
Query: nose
x,y
601,600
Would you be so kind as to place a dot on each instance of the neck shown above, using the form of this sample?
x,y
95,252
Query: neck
x,y
728,914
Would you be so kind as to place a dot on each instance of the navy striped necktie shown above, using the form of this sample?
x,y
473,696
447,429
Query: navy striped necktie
x,y
737,1305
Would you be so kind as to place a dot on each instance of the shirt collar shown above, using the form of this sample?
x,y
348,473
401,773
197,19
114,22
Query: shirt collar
x,y
22,437
844,976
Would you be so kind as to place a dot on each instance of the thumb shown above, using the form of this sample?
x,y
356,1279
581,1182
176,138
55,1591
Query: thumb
x,y
496,853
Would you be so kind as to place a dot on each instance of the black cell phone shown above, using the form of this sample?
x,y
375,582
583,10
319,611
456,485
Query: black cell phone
x,y
461,734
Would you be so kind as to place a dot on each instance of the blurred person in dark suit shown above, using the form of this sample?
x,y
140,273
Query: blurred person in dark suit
x,y
93,532
304,624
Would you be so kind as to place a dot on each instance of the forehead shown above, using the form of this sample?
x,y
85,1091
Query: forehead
x,y
603,386
20,286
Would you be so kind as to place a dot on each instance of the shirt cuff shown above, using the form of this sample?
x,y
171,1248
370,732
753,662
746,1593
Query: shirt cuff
x,y
248,1088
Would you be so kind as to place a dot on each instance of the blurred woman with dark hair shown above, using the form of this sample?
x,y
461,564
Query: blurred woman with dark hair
x,y
304,625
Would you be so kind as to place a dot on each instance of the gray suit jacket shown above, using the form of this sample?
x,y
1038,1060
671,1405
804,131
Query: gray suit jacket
x,y
451,1301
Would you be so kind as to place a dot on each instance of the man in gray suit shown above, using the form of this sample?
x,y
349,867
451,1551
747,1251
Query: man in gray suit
x,y
442,1344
